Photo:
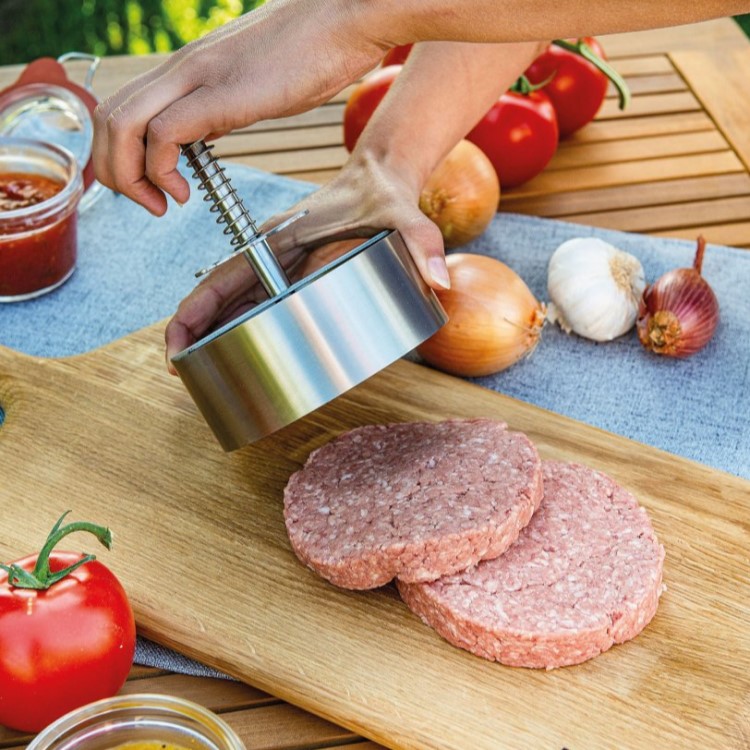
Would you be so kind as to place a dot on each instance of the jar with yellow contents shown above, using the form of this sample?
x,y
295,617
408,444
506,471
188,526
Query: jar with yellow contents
x,y
139,722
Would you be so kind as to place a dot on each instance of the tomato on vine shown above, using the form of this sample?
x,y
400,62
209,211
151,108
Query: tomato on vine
x,y
518,134
67,632
575,76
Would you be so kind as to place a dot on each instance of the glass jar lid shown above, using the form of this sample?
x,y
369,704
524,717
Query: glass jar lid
x,y
44,105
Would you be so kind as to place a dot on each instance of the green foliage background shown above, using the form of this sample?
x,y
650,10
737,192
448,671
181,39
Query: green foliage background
x,y
37,28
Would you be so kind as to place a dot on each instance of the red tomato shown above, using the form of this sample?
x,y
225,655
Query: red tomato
x,y
396,55
519,135
577,88
64,646
363,101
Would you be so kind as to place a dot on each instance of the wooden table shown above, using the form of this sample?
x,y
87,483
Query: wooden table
x,y
676,163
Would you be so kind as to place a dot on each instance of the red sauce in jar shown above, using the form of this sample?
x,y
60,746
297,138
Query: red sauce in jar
x,y
21,190
33,256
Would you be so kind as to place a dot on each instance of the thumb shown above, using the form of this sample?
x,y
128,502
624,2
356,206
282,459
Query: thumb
x,y
425,243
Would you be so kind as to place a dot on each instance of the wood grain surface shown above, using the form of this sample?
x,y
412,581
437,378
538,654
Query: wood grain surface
x,y
202,550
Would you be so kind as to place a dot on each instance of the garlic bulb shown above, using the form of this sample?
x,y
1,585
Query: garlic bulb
x,y
594,288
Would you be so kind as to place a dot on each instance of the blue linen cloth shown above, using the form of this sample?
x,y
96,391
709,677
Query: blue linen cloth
x,y
133,270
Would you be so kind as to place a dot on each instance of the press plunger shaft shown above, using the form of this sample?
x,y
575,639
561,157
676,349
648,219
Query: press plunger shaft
x,y
232,212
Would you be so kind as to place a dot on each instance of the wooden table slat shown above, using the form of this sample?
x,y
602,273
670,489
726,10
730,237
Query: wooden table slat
x,y
258,142
719,81
645,65
667,192
663,218
650,104
662,83
677,144
640,127
284,162
138,672
9,738
285,727
643,171
328,114
734,234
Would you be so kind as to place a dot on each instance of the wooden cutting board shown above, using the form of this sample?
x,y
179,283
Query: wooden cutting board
x,y
201,548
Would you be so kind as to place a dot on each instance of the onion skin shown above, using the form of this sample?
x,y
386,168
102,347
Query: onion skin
x,y
462,194
493,319
679,313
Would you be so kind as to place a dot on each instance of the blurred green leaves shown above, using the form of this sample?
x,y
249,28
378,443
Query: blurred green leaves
x,y
37,28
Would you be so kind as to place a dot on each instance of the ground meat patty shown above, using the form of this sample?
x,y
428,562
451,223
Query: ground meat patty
x,y
584,574
413,500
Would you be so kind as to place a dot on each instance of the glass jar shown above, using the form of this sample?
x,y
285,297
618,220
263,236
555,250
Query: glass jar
x,y
148,720
39,242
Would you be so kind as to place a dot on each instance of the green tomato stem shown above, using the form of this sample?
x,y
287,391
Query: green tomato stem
x,y
524,86
581,48
41,577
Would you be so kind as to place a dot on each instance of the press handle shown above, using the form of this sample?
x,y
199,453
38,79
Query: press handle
x,y
224,200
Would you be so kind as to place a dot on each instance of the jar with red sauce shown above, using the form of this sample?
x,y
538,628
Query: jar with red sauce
x,y
40,188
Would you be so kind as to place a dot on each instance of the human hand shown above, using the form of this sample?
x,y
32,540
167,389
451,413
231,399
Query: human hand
x,y
283,58
366,197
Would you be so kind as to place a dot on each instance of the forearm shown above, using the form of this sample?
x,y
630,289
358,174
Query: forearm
x,y
443,91
393,22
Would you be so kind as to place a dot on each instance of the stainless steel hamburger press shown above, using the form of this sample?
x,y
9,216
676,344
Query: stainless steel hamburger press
x,y
310,341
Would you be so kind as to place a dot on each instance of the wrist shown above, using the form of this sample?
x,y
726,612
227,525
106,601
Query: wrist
x,y
384,23
397,161
366,22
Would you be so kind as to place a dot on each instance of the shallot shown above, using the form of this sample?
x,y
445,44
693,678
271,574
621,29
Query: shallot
x,y
679,313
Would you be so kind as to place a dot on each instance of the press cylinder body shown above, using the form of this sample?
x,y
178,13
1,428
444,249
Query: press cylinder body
x,y
311,343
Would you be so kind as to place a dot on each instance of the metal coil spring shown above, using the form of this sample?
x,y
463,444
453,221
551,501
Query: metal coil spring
x,y
221,195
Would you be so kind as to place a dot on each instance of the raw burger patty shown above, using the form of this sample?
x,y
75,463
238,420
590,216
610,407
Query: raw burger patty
x,y
413,500
584,574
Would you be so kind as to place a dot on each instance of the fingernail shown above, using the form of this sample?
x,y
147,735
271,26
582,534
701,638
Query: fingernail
x,y
439,272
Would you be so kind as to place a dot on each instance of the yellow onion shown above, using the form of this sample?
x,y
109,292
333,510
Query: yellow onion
x,y
494,319
679,313
462,194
